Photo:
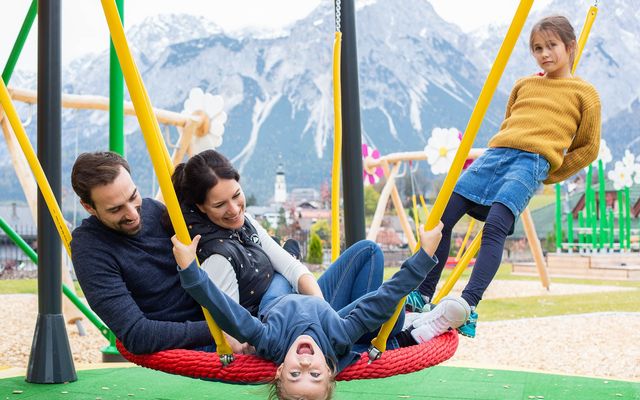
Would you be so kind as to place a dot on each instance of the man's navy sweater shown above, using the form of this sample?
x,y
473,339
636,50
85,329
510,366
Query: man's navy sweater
x,y
132,284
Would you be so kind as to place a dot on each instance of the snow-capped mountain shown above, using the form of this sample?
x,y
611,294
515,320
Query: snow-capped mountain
x,y
416,72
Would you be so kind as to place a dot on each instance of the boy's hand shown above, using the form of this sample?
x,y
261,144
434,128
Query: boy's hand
x,y
429,240
184,254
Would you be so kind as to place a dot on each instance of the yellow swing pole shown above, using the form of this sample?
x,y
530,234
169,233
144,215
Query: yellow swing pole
x,y
424,207
466,238
160,159
584,34
379,343
36,168
459,269
337,149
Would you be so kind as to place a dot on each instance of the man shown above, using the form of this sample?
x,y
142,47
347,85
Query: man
x,y
124,262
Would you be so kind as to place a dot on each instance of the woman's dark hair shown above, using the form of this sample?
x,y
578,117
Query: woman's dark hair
x,y
193,179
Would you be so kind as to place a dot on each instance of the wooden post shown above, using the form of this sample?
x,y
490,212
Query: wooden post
x,y
397,203
382,203
534,245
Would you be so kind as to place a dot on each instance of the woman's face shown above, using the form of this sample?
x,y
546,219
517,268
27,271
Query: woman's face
x,y
224,204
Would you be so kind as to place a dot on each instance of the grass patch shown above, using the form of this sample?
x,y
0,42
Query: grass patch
x,y
545,306
26,286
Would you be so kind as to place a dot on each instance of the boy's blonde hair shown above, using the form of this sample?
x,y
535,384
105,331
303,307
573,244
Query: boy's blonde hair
x,y
561,27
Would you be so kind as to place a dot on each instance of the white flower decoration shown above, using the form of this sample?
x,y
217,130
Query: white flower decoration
x,y
604,154
621,176
629,161
201,103
441,149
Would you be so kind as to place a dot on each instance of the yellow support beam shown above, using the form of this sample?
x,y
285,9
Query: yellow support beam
x,y
34,165
157,151
337,150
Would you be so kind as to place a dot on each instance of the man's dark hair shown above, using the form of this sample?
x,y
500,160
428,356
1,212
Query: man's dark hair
x,y
95,169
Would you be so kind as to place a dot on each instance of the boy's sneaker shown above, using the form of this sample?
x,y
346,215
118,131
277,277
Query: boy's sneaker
x,y
416,302
469,327
450,313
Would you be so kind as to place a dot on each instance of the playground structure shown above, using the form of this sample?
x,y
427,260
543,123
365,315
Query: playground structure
x,y
141,107
590,241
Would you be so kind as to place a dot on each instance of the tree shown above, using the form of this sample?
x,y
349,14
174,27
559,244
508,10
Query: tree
x,y
371,197
314,255
251,200
322,229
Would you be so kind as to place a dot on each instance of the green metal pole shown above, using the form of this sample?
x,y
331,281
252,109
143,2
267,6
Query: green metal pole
x,y
621,223
611,227
20,41
116,96
570,231
581,225
602,199
627,211
24,246
558,219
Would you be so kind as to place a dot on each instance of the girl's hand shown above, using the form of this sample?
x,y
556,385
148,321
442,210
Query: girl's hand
x,y
184,254
429,240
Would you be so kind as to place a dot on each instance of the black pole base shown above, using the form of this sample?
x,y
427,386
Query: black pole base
x,y
50,360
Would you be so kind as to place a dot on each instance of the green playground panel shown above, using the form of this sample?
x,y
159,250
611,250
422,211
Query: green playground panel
x,y
433,383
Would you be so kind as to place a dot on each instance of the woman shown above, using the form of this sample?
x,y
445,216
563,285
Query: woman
x,y
239,255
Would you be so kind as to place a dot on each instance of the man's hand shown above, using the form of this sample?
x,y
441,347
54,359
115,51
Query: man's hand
x,y
184,254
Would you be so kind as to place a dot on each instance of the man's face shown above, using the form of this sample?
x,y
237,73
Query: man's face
x,y
117,204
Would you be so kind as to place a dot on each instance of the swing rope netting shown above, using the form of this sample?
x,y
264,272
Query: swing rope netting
x,y
250,369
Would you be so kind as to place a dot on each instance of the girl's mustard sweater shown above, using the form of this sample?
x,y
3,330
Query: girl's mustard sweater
x,y
556,118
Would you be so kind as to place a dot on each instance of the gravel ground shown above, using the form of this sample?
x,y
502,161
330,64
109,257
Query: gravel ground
x,y
602,344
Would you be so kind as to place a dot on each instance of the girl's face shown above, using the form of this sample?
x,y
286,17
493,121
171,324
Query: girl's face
x,y
225,204
551,54
304,373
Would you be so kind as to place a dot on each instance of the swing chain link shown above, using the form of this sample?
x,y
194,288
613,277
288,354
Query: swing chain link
x,y
338,15
226,359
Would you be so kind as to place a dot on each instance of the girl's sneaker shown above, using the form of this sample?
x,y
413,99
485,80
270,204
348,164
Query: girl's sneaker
x,y
416,302
450,313
469,327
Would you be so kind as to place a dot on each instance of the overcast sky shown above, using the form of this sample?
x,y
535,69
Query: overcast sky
x,y
84,29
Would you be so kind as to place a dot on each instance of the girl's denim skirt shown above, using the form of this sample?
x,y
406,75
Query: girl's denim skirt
x,y
503,175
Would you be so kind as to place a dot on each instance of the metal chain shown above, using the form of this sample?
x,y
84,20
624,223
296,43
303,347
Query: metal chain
x,y
338,15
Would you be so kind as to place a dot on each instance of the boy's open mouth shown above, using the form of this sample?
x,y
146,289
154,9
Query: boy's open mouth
x,y
304,348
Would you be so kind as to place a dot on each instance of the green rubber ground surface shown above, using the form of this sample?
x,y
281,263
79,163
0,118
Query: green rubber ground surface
x,y
432,383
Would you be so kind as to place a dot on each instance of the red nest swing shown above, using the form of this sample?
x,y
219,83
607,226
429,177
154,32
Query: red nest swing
x,y
250,369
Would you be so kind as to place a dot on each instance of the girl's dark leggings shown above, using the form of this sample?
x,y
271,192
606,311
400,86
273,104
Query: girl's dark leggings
x,y
496,228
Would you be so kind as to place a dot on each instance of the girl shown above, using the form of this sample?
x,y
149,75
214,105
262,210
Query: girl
x,y
551,130
309,340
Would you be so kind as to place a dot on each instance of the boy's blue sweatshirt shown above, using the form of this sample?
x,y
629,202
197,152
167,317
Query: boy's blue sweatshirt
x,y
290,316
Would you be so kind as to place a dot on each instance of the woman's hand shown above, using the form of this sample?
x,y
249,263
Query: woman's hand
x,y
429,240
308,285
184,254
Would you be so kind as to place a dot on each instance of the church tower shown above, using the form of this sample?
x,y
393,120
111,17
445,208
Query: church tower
x,y
280,194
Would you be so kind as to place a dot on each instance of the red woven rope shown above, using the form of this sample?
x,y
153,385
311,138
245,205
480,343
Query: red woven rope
x,y
253,369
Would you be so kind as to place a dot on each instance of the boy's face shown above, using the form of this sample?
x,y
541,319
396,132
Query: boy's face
x,y
551,54
304,373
